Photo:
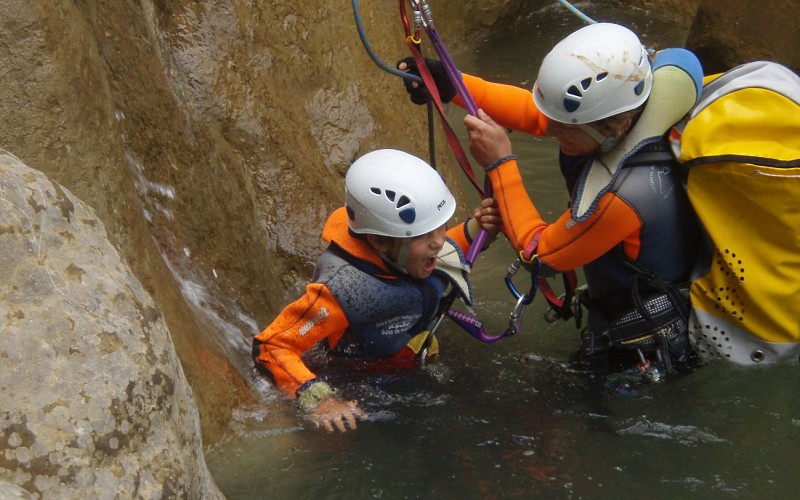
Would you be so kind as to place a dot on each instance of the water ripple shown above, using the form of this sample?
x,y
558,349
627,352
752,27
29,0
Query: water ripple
x,y
683,434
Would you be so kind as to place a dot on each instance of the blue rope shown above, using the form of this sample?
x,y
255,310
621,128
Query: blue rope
x,y
362,34
574,10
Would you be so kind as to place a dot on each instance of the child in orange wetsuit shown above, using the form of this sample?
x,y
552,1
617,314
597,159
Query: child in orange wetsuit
x,y
379,285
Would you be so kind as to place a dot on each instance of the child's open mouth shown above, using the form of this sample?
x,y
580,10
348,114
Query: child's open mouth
x,y
429,264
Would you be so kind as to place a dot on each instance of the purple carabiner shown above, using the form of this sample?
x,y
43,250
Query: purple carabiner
x,y
477,329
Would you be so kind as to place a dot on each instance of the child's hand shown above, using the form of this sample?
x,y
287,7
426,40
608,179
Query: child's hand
x,y
334,412
488,216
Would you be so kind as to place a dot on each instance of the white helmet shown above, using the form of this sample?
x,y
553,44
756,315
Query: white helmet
x,y
596,72
392,193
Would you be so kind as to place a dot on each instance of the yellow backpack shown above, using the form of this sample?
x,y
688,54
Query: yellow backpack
x,y
740,147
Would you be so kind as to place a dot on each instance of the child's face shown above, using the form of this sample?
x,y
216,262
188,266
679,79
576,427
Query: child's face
x,y
422,252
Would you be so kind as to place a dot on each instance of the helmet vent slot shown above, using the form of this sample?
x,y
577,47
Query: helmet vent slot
x,y
403,201
375,190
391,195
639,88
573,90
585,83
601,76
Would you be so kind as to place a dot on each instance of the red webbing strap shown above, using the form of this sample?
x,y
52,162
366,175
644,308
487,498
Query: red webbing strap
x,y
452,140
562,306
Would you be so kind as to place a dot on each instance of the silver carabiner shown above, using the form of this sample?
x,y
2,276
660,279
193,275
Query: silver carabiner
x,y
513,268
515,318
416,14
422,13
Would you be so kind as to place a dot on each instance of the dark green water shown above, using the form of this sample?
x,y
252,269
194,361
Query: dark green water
x,y
514,419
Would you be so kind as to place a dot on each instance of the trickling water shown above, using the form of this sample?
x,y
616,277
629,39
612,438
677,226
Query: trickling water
x,y
515,419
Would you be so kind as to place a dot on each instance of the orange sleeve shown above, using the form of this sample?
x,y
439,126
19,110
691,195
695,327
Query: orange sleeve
x,y
301,325
521,220
459,235
565,244
510,106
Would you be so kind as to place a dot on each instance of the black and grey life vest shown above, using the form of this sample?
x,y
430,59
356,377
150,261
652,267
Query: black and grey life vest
x,y
642,172
384,312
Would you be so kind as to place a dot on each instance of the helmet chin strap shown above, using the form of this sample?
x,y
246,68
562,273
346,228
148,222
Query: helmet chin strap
x,y
402,257
607,143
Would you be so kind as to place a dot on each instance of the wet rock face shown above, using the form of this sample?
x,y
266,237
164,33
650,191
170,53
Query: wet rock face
x,y
93,401
10,491
726,34
676,10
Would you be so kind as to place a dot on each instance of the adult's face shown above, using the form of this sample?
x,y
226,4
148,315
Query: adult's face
x,y
574,141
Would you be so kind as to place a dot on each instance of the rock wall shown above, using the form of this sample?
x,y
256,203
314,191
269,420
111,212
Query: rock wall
x,y
682,11
93,400
725,34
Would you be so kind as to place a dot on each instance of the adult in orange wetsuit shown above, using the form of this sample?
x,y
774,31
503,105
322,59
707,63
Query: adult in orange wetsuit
x,y
379,285
630,225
